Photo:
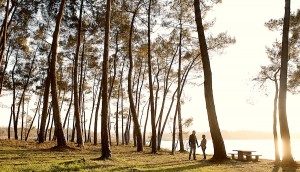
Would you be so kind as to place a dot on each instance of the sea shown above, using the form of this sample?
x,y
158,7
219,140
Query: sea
x,y
262,147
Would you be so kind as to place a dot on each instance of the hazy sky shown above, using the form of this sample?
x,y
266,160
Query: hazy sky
x,y
238,103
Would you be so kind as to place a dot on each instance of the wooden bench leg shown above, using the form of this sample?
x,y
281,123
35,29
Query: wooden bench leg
x,y
249,158
256,158
232,156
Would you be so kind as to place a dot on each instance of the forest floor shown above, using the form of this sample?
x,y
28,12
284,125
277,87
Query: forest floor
x,y
30,156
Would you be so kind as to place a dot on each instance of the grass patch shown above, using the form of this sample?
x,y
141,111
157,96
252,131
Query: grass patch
x,y
30,156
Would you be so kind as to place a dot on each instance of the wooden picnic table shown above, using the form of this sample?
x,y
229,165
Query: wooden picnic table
x,y
241,154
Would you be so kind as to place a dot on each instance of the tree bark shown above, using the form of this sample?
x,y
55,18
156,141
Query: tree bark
x,y
36,111
277,154
4,32
152,108
4,69
14,100
93,107
61,141
105,146
179,85
217,139
287,157
41,135
166,90
77,107
96,115
132,107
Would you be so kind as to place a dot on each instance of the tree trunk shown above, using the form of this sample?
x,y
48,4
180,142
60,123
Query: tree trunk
x,y
179,85
117,117
2,51
145,126
174,132
122,104
96,115
287,157
9,123
217,139
167,117
14,100
277,154
36,111
77,108
61,141
105,146
166,90
93,107
132,107
51,128
4,69
22,116
49,119
152,108
41,135
127,130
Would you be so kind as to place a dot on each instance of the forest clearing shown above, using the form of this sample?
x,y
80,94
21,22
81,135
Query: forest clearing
x,y
31,156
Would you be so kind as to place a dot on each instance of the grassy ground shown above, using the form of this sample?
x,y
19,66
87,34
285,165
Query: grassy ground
x,y
30,156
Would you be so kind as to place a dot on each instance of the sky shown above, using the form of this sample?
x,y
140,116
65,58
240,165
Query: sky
x,y
240,105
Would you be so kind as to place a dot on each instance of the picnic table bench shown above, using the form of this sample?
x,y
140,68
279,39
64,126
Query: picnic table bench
x,y
233,155
245,153
249,157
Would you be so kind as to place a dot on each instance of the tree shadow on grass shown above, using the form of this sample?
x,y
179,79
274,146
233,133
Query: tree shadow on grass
x,y
182,167
196,165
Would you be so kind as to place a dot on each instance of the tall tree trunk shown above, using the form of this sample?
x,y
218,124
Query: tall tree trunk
x,y
68,111
2,51
96,115
24,91
51,128
174,132
166,90
179,84
70,103
77,108
22,116
145,126
49,119
217,139
14,99
41,135
73,131
93,107
9,123
36,111
287,157
277,154
61,141
122,104
117,117
132,107
84,118
152,108
127,130
105,146
4,69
